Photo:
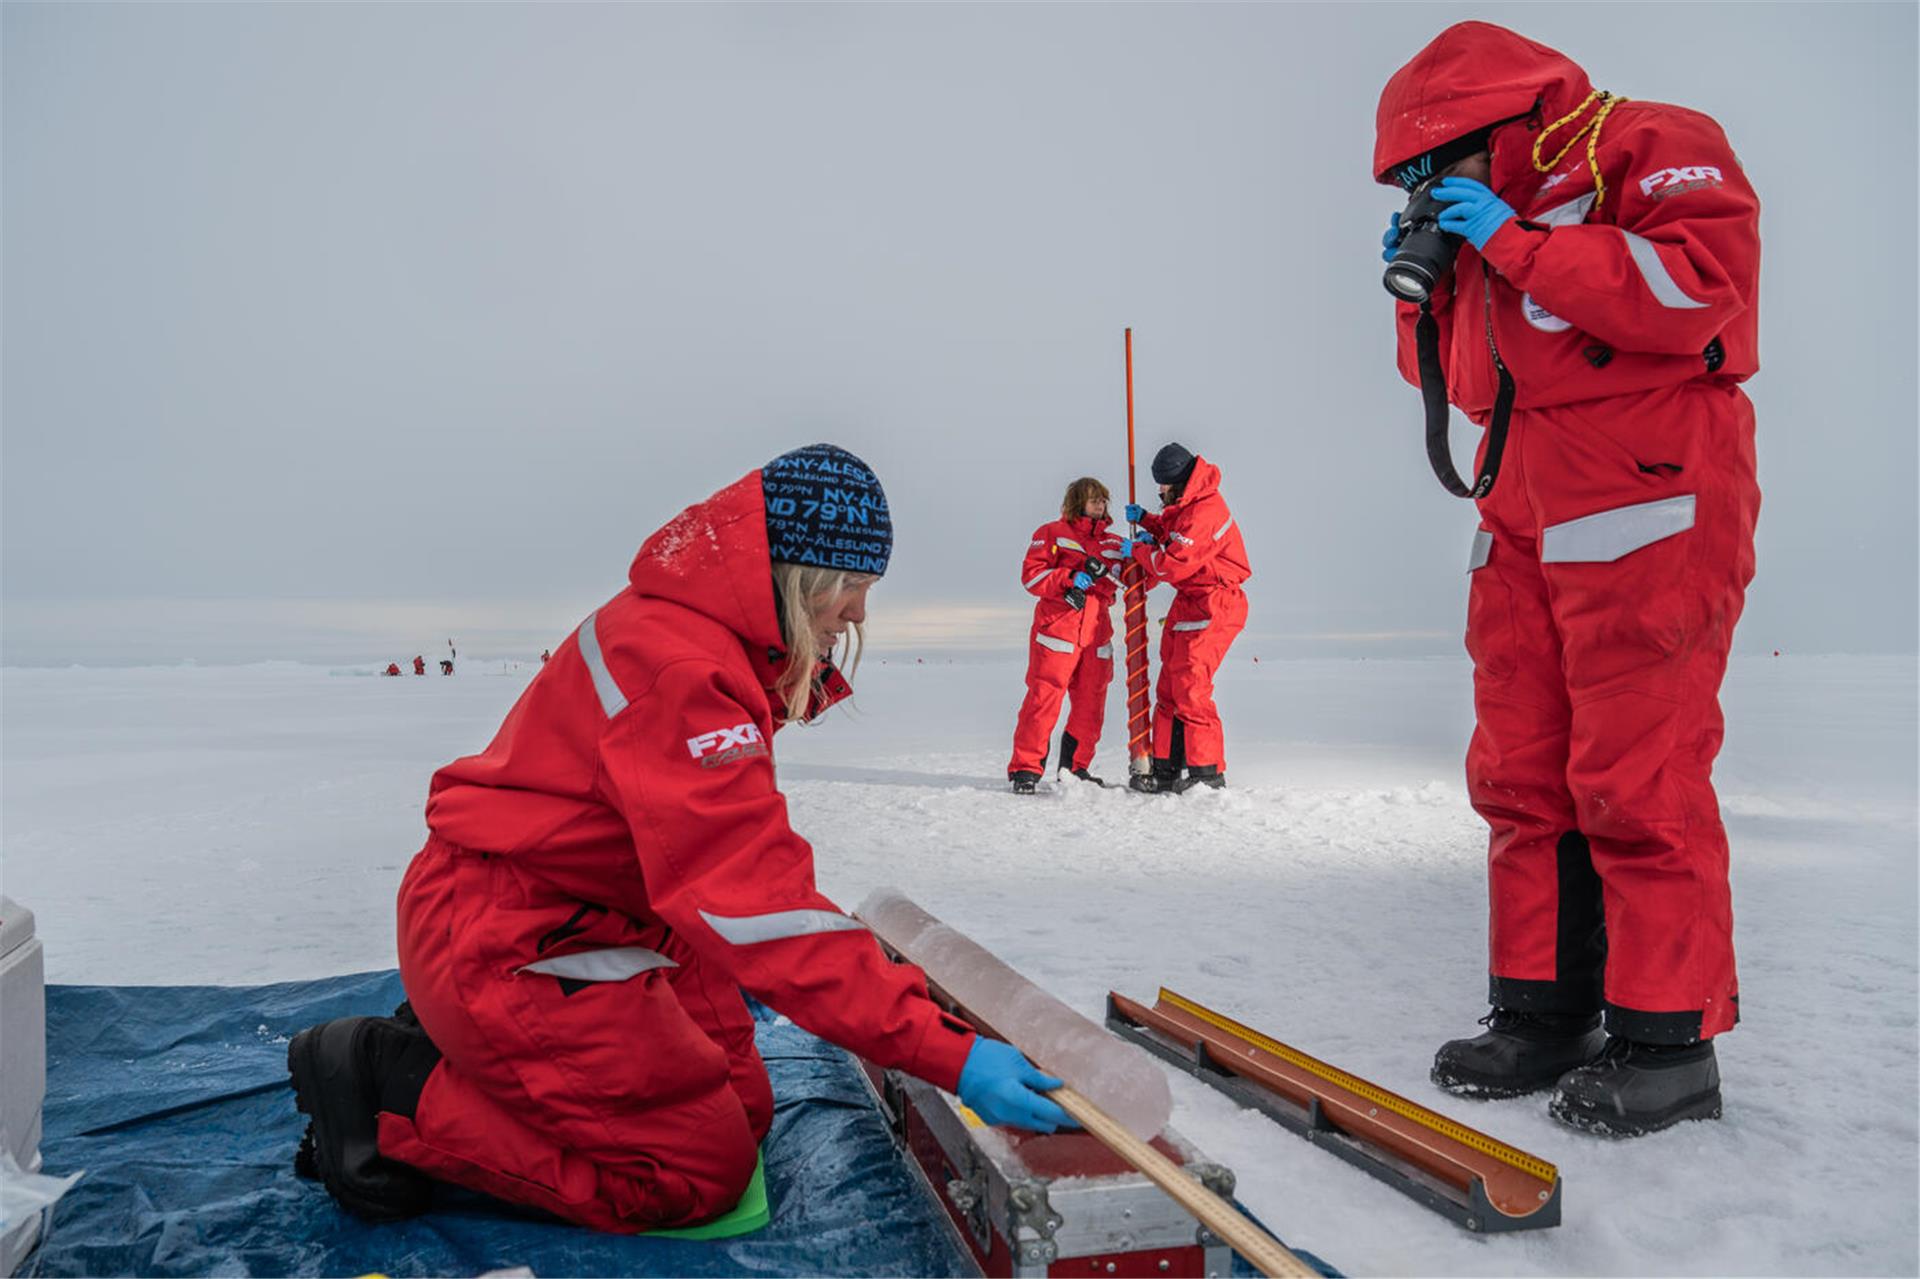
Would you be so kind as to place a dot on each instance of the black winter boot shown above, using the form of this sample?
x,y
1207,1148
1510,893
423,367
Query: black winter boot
x,y
1519,1054
1024,783
1165,777
345,1072
1635,1089
1208,775
1069,753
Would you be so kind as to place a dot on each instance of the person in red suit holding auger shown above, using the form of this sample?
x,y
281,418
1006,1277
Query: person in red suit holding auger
x,y
603,881
1601,313
1070,568
1194,545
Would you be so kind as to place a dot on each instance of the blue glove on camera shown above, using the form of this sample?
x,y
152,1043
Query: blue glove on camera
x,y
1083,581
1003,1087
1135,513
1390,242
1473,210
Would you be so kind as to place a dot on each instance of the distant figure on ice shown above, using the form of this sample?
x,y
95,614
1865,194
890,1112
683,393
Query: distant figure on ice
x,y
546,655
1071,568
393,668
419,664
1194,545
446,666
1606,283
601,883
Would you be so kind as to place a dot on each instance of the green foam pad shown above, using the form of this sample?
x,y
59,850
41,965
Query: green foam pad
x,y
743,1218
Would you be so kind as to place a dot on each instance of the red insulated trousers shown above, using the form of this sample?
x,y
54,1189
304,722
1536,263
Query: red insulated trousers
x,y
1610,567
622,1100
1199,629
1059,669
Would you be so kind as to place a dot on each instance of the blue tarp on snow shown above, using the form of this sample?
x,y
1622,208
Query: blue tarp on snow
x,y
174,1099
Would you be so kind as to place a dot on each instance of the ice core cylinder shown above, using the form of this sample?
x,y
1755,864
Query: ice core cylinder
x,y
1116,1076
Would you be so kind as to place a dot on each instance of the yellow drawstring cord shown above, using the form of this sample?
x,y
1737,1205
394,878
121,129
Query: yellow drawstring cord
x,y
1608,101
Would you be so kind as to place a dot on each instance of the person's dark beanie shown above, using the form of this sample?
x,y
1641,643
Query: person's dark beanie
x,y
1172,465
1422,167
827,509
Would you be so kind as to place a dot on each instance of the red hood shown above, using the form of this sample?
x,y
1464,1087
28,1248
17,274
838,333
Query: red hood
x,y
1472,75
1204,481
1090,529
713,558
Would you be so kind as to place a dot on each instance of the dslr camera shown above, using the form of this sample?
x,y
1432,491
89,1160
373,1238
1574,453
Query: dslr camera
x,y
1426,252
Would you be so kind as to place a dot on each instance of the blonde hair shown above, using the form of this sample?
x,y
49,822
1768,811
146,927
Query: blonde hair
x,y
1079,493
797,590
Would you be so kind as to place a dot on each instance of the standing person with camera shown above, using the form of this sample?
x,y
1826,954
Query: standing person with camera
x,y
1597,320
1070,567
1194,545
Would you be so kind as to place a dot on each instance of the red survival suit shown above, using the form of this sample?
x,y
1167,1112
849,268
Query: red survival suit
x,y
1615,549
1202,555
598,887
1069,649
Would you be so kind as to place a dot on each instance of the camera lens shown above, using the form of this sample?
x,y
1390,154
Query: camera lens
x,y
1426,252
1408,283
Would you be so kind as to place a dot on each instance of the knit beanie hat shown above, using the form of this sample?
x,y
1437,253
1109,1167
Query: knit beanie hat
x,y
1172,465
1423,166
827,509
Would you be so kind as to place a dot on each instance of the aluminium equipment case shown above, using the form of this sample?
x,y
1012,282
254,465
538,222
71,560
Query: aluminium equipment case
x,y
1060,1204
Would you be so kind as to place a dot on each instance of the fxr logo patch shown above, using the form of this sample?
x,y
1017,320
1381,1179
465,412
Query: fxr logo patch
x,y
725,745
1668,183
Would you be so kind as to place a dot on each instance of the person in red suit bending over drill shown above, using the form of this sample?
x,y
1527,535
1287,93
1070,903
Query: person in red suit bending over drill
x,y
1193,545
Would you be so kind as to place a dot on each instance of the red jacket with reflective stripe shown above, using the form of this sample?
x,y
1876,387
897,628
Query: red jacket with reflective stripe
x,y
1200,544
1582,301
636,772
1058,551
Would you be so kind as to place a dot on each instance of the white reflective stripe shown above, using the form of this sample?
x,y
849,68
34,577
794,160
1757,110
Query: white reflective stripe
x,y
1112,554
1482,547
1654,272
745,930
1070,544
612,700
1603,538
615,964
1104,651
1057,645
1572,213
1223,529
1036,581
1200,625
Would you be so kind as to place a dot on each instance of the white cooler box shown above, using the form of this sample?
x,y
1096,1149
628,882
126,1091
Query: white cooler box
x,y
23,1061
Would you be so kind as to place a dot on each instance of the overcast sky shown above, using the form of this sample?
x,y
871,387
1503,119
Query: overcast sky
x,y
331,330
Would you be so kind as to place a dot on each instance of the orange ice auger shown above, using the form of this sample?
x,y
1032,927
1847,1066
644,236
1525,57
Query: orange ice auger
x,y
1133,578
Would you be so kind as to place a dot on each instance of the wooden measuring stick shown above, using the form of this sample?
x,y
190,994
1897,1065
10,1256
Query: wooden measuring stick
x,y
1213,1212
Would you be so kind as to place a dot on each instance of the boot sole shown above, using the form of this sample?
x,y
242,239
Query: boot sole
x,y
1479,1090
1575,1114
312,1161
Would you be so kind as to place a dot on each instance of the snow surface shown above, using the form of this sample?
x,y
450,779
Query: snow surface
x,y
250,824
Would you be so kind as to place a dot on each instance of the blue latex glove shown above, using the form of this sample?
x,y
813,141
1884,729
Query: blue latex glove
x,y
1083,581
1003,1087
1135,513
1390,242
1473,210
1141,538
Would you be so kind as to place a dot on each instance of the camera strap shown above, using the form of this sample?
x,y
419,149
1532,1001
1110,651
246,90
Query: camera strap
x,y
1433,391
